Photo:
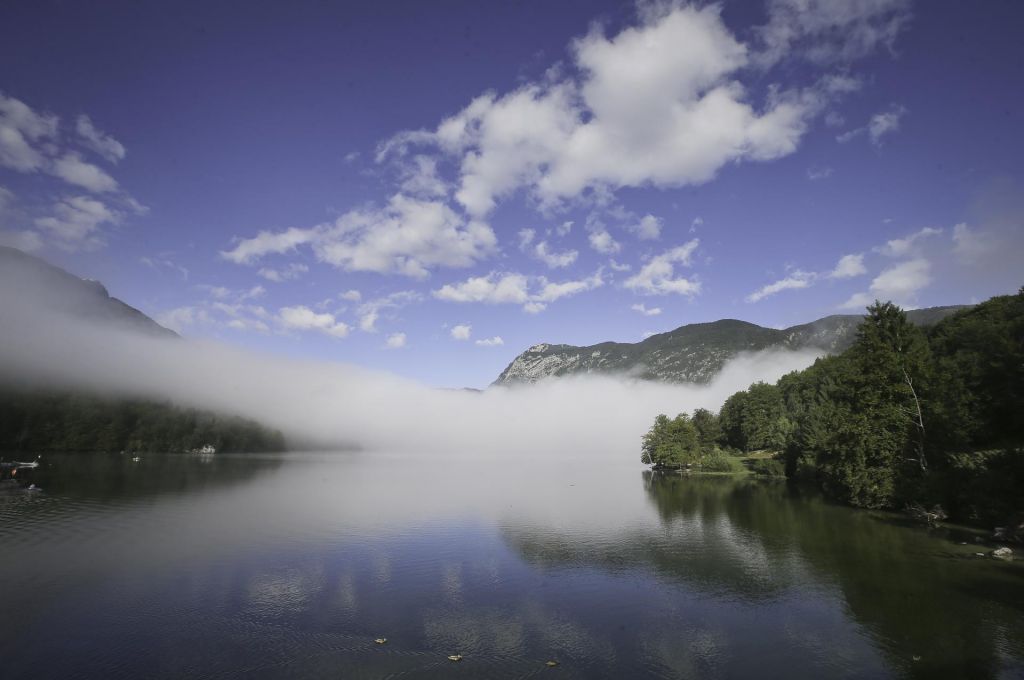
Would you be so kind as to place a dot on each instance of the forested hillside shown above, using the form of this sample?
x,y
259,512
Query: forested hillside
x,y
905,417
33,422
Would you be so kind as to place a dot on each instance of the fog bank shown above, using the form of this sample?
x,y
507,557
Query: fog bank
x,y
337,404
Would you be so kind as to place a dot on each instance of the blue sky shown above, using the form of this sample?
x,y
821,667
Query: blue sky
x,y
430,188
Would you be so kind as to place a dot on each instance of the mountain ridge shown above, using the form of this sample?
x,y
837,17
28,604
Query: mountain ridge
x,y
692,353
27,279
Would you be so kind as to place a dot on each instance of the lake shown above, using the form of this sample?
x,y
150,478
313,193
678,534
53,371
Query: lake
x,y
266,566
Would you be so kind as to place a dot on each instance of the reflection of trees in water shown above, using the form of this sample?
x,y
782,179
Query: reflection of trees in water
x,y
746,538
115,477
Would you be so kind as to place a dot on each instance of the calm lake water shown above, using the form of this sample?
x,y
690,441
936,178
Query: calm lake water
x,y
290,565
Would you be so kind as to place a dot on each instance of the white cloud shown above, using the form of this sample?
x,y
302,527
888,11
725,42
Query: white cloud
x,y
461,332
879,125
850,135
534,293
657,277
20,129
902,281
554,260
564,228
408,236
73,170
972,246
848,267
648,228
182,317
266,242
26,240
292,271
899,283
526,238
619,266
814,174
829,31
101,143
643,309
885,123
351,296
422,179
76,221
602,242
395,341
658,104
303,318
490,342
902,247
796,280
369,312
834,119
857,301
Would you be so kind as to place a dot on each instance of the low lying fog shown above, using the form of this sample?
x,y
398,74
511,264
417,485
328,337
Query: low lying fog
x,y
327,404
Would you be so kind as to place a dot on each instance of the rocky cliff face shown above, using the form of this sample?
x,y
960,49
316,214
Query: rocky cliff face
x,y
690,354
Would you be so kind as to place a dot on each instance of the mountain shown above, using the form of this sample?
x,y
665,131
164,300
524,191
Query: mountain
x,y
695,352
26,280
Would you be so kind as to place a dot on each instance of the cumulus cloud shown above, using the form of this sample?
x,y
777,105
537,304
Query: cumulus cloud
x,y
658,104
395,341
490,342
648,228
601,241
302,318
552,259
899,284
658,276
902,247
73,170
534,293
461,332
972,246
526,237
420,178
287,273
408,236
849,266
103,144
817,173
75,222
351,296
21,129
796,280
646,311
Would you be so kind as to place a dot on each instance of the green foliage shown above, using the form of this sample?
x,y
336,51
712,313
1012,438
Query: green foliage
x,y
768,467
718,461
48,421
671,443
755,419
905,415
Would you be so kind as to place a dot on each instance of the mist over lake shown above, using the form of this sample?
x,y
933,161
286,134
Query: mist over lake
x,y
610,339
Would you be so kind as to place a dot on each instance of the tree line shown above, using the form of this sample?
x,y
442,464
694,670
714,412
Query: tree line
x,y
906,417
32,421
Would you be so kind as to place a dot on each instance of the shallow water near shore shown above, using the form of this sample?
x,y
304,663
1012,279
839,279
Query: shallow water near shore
x,y
291,565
